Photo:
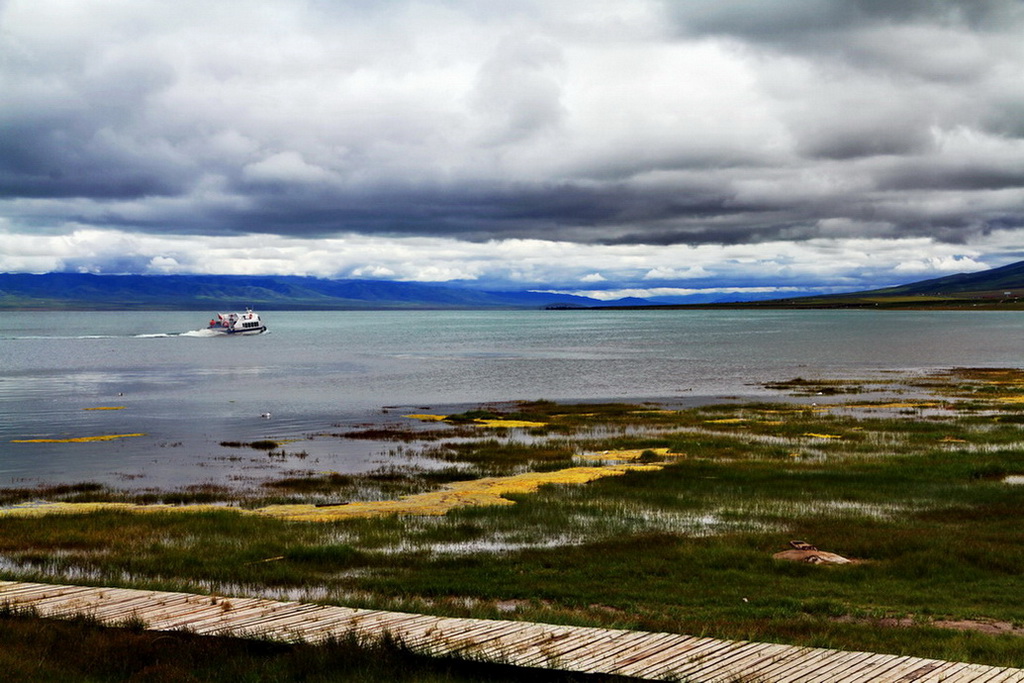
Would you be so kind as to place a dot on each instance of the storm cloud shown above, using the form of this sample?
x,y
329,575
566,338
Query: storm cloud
x,y
708,122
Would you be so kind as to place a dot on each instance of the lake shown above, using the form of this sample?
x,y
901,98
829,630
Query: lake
x,y
320,373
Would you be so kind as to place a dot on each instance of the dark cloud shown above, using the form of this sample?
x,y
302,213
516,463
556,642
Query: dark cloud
x,y
741,122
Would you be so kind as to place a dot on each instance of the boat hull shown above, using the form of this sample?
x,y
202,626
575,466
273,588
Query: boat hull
x,y
237,323
255,330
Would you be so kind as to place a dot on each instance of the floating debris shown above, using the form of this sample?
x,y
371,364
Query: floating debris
x,y
106,408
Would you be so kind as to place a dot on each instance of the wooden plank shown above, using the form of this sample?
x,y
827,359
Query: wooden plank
x,y
710,666
653,645
501,643
925,670
391,622
806,662
229,612
513,646
599,658
548,652
895,667
792,661
972,673
293,628
582,637
835,665
459,638
747,661
57,602
878,666
458,630
852,666
173,605
681,656
324,626
32,595
1009,675
111,611
661,663
565,644
200,613
249,618
249,623
28,589
181,617
404,628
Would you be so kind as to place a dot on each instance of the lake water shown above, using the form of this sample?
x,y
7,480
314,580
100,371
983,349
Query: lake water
x,y
325,372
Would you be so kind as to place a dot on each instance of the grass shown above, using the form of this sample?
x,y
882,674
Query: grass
x,y
914,495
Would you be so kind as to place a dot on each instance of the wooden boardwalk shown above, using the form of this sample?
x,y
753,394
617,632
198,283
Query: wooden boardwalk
x,y
643,655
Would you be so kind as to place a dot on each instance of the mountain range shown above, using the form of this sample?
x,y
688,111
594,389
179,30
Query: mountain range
x,y
280,292
84,291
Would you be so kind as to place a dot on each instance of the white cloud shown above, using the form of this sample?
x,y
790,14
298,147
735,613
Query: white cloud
x,y
286,167
939,264
513,264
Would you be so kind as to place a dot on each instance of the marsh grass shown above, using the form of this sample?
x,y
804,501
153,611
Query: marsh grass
x,y
916,500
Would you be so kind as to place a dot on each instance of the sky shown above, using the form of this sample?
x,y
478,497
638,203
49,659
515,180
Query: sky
x,y
597,147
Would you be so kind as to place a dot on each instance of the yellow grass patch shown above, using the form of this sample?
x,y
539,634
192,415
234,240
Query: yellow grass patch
x,y
896,404
487,491
510,424
629,454
726,421
814,435
40,509
106,408
78,439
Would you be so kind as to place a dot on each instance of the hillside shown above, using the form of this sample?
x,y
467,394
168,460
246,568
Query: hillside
x,y
1000,287
84,291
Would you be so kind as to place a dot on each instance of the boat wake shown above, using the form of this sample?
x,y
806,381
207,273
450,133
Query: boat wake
x,y
200,333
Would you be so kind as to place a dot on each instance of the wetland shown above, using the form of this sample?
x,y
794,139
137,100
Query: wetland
x,y
673,527
632,469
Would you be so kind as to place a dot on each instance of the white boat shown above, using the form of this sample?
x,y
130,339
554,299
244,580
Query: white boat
x,y
237,323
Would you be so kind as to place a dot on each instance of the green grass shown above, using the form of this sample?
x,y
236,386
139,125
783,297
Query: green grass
x,y
916,497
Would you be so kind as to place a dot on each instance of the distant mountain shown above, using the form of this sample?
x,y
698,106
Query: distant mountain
x,y
1001,287
996,281
997,288
222,292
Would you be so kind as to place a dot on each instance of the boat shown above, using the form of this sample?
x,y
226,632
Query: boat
x,y
237,323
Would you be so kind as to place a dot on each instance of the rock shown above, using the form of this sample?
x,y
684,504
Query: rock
x,y
813,556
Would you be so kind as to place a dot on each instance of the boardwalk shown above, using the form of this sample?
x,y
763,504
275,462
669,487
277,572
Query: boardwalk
x,y
651,656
